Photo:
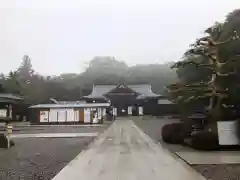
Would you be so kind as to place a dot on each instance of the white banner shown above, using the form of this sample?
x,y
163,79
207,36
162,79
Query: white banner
x,y
115,111
104,112
53,115
76,116
70,115
10,111
62,115
87,115
140,111
99,113
129,110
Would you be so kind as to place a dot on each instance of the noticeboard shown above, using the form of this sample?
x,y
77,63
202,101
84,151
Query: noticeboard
x,y
228,132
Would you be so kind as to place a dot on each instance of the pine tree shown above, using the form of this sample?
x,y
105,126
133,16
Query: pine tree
x,y
218,89
11,84
25,71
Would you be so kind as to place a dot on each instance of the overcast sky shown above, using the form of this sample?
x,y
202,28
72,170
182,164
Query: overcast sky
x,y
60,36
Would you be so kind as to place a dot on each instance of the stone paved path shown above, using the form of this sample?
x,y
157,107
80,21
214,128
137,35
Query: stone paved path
x,y
124,152
54,135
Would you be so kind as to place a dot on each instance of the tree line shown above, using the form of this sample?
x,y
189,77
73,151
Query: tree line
x,y
36,88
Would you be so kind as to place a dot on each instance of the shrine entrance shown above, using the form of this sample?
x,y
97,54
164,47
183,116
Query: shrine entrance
x,y
122,99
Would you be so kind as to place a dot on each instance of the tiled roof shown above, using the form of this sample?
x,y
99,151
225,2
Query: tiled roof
x,y
9,96
164,101
71,102
100,90
83,105
143,89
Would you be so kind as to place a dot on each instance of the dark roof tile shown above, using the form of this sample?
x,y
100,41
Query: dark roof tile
x,y
9,96
143,89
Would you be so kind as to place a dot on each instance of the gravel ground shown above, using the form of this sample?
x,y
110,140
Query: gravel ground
x,y
39,158
42,158
57,129
211,172
153,129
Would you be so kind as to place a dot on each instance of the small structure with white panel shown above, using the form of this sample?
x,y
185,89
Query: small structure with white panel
x,y
228,132
68,113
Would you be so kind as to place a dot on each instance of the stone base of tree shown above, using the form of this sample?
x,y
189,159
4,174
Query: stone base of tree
x,y
175,133
5,142
203,141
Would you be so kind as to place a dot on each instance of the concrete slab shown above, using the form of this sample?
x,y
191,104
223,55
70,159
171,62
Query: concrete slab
x,y
124,152
59,125
54,135
220,157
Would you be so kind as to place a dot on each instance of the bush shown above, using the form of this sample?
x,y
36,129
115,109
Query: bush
x,y
4,141
5,119
175,133
204,141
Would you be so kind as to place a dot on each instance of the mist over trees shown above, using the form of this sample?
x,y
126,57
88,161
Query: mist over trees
x,y
36,88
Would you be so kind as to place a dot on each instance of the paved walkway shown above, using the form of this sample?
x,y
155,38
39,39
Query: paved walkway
x,y
54,135
124,152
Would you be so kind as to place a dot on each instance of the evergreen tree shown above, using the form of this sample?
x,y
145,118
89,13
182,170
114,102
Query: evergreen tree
x,y
25,71
11,84
220,86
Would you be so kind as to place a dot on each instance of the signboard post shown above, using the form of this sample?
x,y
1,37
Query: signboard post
x,y
115,111
129,110
228,132
140,111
